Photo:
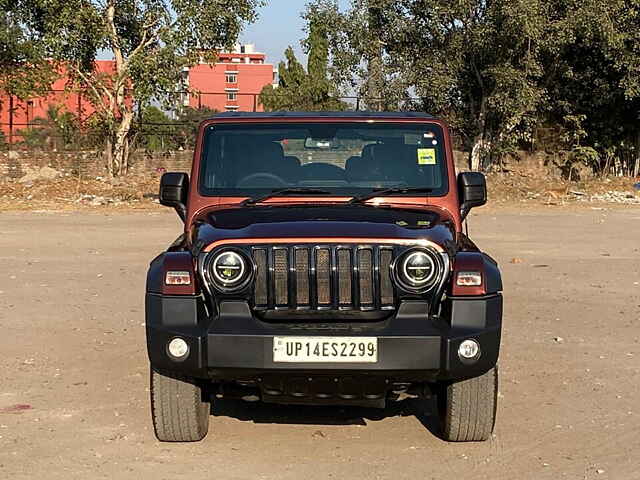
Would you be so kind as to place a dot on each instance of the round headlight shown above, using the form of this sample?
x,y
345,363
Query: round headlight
x,y
229,269
417,270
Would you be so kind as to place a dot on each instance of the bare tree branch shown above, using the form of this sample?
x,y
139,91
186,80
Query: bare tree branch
x,y
89,82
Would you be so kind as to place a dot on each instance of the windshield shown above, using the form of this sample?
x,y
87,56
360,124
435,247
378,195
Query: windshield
x,y
340,158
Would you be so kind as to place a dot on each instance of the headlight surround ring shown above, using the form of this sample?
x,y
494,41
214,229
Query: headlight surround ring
x,y
418,270
220,267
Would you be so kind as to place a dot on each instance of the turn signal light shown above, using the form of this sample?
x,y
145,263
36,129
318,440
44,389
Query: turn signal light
x,y
469,279
174,277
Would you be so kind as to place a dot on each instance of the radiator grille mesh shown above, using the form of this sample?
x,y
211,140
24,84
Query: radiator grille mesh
x,y
365,270
344,277
302,276
323,280
281,268
386,288
260,257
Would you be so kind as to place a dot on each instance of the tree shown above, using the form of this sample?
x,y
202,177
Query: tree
x,y
151,41
24,70
58,130
187,124
158,131
496,70
592,74
477,64
298,89
359,63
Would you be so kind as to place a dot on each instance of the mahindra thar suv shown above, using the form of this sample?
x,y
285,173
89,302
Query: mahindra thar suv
x,y
323,261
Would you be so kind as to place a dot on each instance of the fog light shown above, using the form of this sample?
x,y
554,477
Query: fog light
x,y
469,349
178,348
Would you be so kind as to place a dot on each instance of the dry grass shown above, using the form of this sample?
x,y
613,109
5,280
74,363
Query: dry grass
x,y
76,193
517,187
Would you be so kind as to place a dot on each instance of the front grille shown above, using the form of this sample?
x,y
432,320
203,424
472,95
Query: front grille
x,y
324,277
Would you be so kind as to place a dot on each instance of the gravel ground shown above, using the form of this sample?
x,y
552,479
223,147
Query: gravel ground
x,y
74,375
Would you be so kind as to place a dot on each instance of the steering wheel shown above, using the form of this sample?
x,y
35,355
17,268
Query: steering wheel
x,y
262,179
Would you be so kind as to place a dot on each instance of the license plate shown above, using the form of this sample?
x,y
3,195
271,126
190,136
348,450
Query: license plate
x,y
325,349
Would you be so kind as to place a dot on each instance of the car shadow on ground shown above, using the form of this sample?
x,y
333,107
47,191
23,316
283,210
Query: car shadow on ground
x,y
258,412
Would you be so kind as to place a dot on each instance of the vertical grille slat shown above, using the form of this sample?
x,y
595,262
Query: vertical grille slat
x,y
365,270
260,289
323,277
386,287
281,274
323,280
302,276
344,277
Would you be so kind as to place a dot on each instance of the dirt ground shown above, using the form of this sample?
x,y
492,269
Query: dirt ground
x,y
73,368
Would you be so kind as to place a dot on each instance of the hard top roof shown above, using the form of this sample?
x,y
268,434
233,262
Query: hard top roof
x,y
344,114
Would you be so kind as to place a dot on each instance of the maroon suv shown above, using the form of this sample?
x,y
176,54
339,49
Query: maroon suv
x,y
323,261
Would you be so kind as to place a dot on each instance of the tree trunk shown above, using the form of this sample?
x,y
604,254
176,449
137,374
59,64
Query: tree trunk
x,y
120,148
636,168
478,150
476,154
374,84
108,156
375,72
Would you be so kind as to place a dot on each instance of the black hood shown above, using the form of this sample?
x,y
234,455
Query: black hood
x,y
314,221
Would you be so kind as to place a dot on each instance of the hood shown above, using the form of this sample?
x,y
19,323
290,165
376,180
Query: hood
x,y
315,221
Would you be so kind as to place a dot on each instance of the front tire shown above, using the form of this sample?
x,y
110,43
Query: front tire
x,y
178,410
468,408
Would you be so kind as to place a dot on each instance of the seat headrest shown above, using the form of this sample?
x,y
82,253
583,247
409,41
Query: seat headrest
x,y
366,151
386,152
351,162
271,150
292,161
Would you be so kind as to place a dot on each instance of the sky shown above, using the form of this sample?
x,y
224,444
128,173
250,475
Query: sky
x,y
278,26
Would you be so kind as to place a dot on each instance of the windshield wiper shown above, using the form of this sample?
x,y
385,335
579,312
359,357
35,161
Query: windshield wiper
x,y
282,191
386,191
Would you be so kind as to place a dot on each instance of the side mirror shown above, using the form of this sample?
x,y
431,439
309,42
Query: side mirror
x,y
174,188
472,190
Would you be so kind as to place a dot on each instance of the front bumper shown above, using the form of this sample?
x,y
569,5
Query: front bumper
x,y
236,346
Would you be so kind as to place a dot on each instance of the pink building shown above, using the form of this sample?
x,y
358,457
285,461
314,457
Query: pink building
x,y
16,114
233,83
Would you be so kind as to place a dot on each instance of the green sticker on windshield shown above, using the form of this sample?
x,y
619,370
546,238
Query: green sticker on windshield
x,y
426,156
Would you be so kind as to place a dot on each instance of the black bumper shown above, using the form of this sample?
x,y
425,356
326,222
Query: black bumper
x,y
234,345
